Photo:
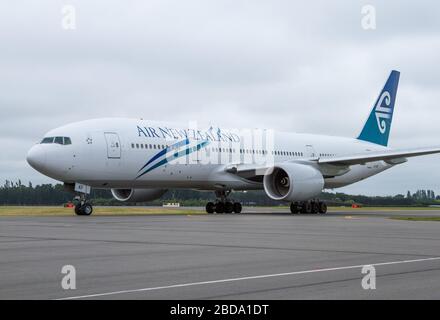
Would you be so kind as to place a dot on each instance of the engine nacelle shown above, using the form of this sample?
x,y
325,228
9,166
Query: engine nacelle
x,y
293,182
137,195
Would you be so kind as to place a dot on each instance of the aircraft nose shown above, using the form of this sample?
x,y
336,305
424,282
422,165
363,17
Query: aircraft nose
x,y
36,157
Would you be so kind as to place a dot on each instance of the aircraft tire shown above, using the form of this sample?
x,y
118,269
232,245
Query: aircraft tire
x,y
78,210
210,207
85,209
306,207
294,208
237,207
229,207
322,207
315,207
219,207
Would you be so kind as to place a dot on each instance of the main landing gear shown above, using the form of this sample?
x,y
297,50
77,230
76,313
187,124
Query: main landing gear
x,y
312,206
222,204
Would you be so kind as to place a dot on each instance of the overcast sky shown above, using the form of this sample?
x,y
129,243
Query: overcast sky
x,y
276,64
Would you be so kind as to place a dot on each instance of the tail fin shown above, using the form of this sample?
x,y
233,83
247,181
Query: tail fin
x,y
378,125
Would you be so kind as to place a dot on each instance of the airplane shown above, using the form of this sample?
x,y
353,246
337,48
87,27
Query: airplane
x,y
139,160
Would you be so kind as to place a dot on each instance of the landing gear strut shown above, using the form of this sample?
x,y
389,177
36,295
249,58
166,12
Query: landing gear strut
x,y
223,204
312,206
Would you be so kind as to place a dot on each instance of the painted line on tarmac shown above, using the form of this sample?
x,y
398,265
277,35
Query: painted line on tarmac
x,y
191,284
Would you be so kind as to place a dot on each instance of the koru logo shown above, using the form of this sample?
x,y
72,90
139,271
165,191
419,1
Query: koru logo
x,y
383,112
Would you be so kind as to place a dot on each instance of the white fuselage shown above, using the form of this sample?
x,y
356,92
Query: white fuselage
x,y
132,153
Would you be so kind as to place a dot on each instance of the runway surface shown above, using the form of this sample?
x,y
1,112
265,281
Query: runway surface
x,y
248,256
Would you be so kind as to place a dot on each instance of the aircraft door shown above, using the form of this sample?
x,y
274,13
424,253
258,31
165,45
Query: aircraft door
x,y
113,145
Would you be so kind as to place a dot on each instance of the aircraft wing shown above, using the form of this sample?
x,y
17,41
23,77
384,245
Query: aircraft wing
x,y
392,156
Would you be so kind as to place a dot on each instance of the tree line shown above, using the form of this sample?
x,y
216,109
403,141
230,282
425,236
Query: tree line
x,y
16,193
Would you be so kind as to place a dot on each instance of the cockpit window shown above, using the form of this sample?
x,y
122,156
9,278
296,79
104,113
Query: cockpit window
x,y
58,140
47,140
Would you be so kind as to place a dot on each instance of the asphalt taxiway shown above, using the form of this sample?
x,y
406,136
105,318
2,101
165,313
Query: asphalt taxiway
x,y
247,256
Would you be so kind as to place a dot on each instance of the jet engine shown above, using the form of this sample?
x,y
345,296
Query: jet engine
x,y
293,182
137,195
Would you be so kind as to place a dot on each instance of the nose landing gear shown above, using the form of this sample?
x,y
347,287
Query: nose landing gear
x,y
313,206
83,207
222,204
